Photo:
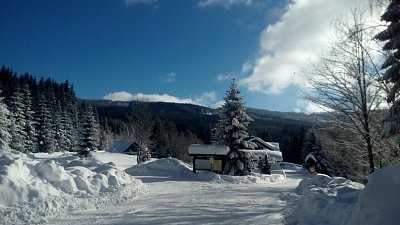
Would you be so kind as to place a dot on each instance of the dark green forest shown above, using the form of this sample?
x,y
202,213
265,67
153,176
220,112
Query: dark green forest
x,y
57,117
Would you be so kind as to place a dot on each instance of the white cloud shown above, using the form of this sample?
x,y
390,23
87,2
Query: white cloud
x,y
170,77
126,96
225,3
247,67
225,76
137,2
310,107
288,45
208,99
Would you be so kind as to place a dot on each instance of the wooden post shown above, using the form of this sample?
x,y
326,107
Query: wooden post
x,y
194,164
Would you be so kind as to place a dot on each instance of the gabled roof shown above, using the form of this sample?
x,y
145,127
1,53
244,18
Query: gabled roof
x,y
200,149
121,146
273,156
274,146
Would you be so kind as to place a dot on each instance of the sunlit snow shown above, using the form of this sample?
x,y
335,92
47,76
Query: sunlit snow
x,y
63,189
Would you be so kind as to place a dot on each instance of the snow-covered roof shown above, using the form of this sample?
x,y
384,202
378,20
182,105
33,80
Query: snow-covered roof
x,y
120,146
269,145
274,156
310,156
201,149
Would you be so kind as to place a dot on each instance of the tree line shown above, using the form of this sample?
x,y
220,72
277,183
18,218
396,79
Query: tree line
x,y
45,116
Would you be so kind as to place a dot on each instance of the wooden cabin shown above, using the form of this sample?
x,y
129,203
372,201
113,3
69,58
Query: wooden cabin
x,y
208,157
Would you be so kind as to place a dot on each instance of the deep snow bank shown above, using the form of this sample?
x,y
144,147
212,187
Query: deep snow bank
x,y
30,189
379,202
339,201
177,170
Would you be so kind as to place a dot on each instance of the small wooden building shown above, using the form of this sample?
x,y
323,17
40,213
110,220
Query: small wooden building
x,y
208,157
126,147
214,157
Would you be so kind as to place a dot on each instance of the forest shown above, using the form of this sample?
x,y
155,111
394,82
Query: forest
x,y
52,118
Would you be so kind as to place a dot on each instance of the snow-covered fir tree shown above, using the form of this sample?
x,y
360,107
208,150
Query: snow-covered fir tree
x,y
391,35
69,129
45,131
232,131
17,130
5,136
105,135
88,131
30,140
313,146
59,128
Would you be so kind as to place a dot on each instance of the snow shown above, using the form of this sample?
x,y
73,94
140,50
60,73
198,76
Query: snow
x,y
123,161
31,188
339,201
173,169
178,196
378,203
63,189
208,149
274,146
273,156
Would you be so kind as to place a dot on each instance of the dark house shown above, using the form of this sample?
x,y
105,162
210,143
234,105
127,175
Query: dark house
x,y
126,147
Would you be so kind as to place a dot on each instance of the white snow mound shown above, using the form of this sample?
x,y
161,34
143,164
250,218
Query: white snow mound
x,y
379,202
30,188
339,201
175,169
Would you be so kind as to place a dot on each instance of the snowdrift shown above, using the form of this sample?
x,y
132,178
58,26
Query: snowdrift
x,y
30,189
339,201
173,169
379,202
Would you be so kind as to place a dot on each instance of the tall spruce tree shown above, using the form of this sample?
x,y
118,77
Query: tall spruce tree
x,y
17,130
45,131
391,35
5,136
232,131
30,140
88,131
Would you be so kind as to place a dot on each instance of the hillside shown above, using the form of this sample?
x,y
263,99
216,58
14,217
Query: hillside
x,y
287,128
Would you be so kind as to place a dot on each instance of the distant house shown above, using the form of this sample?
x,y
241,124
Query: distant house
x,y
127,147
271,149
213,157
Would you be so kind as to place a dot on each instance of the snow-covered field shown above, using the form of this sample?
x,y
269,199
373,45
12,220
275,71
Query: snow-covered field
x,y
34,187
62,189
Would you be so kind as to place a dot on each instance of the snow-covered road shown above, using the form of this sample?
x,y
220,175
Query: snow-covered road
x,y
195,202
64,189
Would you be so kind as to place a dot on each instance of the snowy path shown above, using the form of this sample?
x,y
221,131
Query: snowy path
x,y
194,202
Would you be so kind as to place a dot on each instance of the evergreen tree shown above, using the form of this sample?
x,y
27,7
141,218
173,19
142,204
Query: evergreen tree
x,y
45,131
105,135
69,134
17,130
313,146
392,64
88,131
232,131
60,126
71,121
30,140
5,136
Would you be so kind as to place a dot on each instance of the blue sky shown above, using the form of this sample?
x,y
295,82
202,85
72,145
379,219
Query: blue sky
x,y
169,50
